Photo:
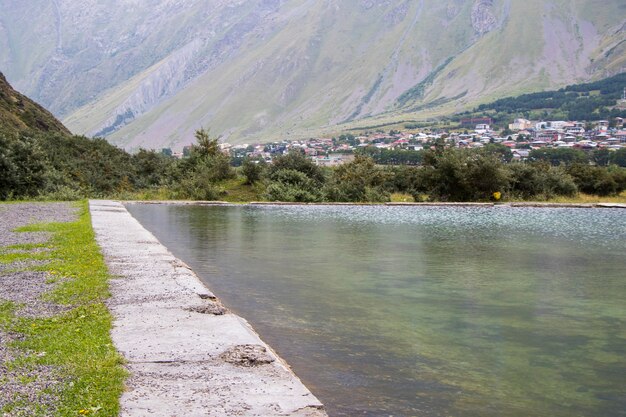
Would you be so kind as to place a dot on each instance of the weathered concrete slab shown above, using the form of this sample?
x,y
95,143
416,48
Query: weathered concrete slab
x,y
217,392
180,359
612,205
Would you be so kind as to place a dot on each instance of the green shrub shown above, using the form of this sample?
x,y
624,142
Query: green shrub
x,y
558,156
23,167
357,181
297,161
289,185
539,181
558,183
463,175
253,171
597,180
618,157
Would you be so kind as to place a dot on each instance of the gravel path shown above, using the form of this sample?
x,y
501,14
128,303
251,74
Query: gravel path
x,y
37,387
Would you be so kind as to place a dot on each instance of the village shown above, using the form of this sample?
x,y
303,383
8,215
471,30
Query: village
x,y
521,136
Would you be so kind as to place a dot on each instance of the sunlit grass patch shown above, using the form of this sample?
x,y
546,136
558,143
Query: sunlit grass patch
x,y
237,191
587,198
402,198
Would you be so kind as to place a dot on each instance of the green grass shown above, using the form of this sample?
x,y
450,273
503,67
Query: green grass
x,y
76,342
237,191
402,198
591,199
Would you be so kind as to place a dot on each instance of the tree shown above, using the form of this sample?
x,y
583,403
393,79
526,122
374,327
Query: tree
x,y
296,160
206,146
601,157
253,171
619,157
558,156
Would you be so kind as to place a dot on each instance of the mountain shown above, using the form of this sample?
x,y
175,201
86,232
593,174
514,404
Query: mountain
x,y
19,113
149,72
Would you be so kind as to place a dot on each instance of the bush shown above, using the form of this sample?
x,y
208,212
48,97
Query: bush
x,y
486,175
558,156
198,185
526,181
297,161
540,180
253,171
151,168
463,175
558,183
289,185
357,181
23,167
403,179
92,166
618,157
598,181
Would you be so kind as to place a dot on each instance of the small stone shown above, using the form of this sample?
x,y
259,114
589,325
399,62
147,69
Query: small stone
x,y
247,355
215,309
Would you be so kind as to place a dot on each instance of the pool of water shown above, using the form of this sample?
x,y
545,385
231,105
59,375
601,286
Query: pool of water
x,y
429,311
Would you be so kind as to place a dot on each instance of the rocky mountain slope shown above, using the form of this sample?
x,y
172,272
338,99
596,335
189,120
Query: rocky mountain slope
x,y
19,113
150,72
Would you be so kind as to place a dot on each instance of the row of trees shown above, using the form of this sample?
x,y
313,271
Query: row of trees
x,y
567,156
445,175
590,101
61,167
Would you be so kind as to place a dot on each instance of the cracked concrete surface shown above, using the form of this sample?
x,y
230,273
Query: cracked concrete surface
x,y
178,357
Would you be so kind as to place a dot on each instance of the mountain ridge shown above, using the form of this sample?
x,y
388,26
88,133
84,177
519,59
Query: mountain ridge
x,y
267,69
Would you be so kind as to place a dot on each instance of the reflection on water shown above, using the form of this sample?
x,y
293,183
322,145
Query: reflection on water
x,y
427,311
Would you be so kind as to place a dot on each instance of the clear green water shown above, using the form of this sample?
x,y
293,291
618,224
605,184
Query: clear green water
x,y
403,311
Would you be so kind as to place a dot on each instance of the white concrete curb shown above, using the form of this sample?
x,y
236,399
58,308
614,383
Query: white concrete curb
x,y
182,362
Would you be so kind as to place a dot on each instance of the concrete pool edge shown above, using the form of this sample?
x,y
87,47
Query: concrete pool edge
x,y
397,204
183,354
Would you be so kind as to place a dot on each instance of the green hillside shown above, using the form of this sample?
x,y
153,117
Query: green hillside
x,y
588,102
19,113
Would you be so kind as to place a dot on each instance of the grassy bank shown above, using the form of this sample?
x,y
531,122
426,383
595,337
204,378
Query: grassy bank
x,y
237,191
586,198
75,342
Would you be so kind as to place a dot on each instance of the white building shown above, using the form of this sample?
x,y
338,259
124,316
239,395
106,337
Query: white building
x,y
520,124
481,129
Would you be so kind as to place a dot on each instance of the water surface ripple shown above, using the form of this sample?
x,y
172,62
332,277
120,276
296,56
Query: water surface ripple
x,y
429,311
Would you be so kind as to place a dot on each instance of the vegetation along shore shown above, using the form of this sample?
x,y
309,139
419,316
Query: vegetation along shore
x,y
53,166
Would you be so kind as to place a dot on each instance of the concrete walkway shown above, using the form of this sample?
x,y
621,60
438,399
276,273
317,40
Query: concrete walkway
x,y
187,355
